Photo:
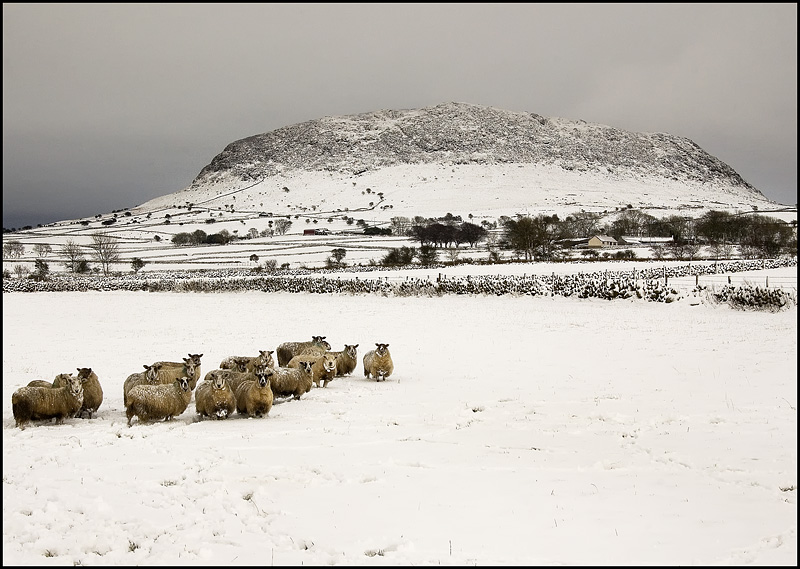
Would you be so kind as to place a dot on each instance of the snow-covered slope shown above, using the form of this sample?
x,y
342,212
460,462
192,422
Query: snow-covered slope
x,y
462,159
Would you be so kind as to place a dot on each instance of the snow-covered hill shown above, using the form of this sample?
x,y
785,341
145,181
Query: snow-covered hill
x,y
462,159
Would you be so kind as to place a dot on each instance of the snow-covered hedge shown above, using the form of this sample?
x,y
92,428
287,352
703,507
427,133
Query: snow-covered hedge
x,y
648,284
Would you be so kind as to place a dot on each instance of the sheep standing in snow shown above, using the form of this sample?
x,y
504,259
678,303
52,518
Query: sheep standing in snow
x,y
288,350
247,363
36,403
158,402
60,380
323,368
233,377
293,382
41,383
193,379
170,371
378,363
148,376
254,398
92,390
215,398
346,360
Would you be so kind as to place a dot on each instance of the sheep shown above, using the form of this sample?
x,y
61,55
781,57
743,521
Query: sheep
x,y
233,377
160,401
149,376
312,351
35,403
60,380
192,379
215,398
92,391
247,363
323,368
254,398
40,383
346,360
378,363
235,363
286,381
288,350
170,371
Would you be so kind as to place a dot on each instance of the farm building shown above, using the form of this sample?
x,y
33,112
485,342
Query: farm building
x,y
639,240
602,241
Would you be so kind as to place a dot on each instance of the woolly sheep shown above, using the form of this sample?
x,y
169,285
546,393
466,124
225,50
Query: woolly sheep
x,y
288,350
233,377
247,363
92,390
60,380
37,403
40,383
192,379
149,376
215,398
254,398
170,371
294,382
235,363
378,363
323,368
346,360
160,401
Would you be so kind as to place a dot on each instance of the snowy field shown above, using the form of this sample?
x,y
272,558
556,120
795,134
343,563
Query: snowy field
x,y
514,431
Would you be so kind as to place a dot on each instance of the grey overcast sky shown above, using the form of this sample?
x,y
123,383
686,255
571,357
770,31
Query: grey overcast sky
x,y
106,106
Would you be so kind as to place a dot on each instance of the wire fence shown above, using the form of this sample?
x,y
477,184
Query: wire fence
x,y
787,283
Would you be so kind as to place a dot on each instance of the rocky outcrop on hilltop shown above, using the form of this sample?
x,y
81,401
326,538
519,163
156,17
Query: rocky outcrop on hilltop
x,y
460,133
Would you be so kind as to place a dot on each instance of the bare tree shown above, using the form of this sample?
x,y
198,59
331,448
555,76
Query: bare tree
x,y
400,225
105,250
74,254
282,226
21,271
13,250
658,250
42,250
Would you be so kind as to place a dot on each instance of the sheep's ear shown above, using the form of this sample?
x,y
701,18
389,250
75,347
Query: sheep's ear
x,y
355,345
146,367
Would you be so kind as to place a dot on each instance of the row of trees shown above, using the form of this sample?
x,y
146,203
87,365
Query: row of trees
x,y
542,236
103,248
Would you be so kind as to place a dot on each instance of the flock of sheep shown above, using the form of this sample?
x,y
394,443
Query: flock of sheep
x,y
163,390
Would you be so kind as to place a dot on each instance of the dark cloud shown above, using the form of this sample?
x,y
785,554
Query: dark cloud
x,y
107,106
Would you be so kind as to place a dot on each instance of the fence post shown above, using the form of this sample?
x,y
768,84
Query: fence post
x,y
697,279
767,281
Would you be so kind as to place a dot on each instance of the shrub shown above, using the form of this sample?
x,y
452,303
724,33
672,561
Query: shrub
x,y
377,231
137,264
